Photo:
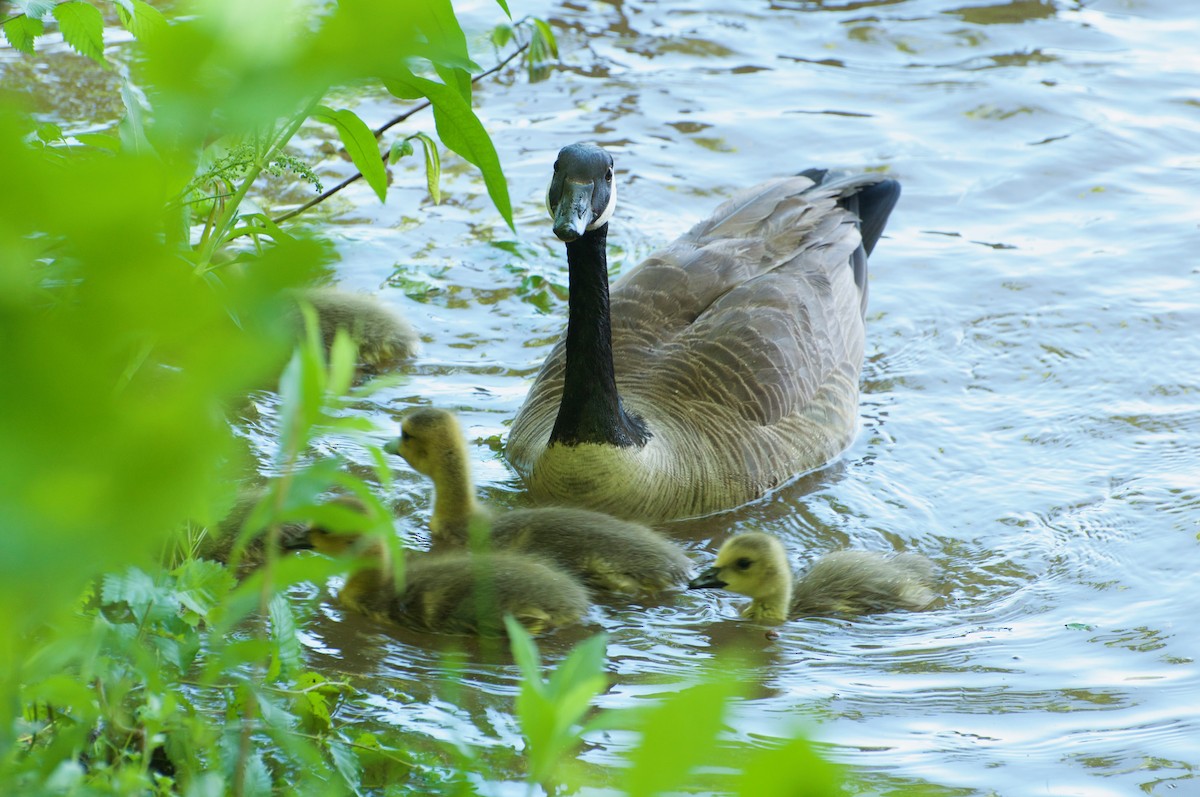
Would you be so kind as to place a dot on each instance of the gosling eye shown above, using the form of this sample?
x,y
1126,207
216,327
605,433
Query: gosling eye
x,y
608,175
404,435
743,563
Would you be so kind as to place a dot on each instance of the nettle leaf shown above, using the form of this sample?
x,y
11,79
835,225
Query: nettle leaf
x,y
21,31
360,143
82,27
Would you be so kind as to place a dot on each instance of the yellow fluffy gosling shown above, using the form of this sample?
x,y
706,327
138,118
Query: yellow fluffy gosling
x,y
842,582
456,592
383,337
608,554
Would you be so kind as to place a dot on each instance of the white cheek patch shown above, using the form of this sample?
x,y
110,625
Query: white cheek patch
x,y
608,209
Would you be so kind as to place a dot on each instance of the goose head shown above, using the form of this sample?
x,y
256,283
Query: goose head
x,y
755,565
582,194
427,437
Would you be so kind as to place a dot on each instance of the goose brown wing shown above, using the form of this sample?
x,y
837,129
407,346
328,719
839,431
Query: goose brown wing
x,y
753,308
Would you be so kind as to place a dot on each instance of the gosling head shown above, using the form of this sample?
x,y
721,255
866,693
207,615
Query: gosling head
x,y
426,435
582,194
755,565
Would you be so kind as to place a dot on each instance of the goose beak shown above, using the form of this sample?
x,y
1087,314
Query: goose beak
x,y
573,211
392,446
709,579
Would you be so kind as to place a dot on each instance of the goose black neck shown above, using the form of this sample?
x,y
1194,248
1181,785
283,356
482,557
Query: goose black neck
x,y
591,410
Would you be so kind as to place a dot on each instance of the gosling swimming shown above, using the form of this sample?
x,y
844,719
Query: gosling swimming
x,y
608,554
842,582
383,338
453,593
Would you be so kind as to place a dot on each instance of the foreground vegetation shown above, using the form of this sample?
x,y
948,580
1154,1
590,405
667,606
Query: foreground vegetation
x,y
144,297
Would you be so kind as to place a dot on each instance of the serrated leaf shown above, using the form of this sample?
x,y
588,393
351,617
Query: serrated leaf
x,y
82,27
37,9
360,143
433,167
346,763
460,130
141,19
21,31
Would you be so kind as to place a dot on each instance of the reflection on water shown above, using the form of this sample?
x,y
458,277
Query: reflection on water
x,y
1030,410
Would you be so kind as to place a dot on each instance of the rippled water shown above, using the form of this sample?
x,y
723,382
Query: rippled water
x,y
1031,398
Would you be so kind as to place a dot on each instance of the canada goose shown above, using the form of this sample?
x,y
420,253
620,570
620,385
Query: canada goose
x,y
842,582
607,553
454,593
383,337
722,365
218,543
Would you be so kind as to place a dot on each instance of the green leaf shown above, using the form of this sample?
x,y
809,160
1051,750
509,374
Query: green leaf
x,y
343,359
21,31
792,769
460,130
283,632
345,762
132,128
401,148
504,6
678,735
141,19
502,34
433,167
37,9
360,142
82,27
525,653
103,141
48,132
546,35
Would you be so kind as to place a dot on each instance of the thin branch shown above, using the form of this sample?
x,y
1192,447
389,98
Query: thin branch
x,y
383,129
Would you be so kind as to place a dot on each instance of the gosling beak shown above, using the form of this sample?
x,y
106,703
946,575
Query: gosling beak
x,y
301,543
573,211
392,446
709,579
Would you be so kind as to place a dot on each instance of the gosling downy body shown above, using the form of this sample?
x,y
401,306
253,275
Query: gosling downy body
x,y
609,554
383,337
219,542
454,593
716,369
842,582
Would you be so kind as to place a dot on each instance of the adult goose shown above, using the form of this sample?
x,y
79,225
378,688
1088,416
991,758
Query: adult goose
x,y
719,367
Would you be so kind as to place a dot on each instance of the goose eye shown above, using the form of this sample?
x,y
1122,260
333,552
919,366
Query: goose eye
x,y
608,175
743,563
556,166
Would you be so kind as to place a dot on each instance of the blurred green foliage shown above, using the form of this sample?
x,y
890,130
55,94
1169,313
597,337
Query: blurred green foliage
x,y
140,301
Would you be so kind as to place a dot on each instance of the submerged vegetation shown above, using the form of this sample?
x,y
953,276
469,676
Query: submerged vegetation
x,y
145,295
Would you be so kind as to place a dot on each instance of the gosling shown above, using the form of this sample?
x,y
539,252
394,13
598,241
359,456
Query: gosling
x,y
383,338
218,542
452,593
608,554
842,582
